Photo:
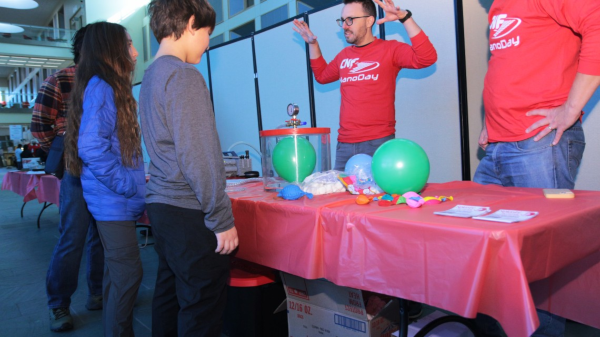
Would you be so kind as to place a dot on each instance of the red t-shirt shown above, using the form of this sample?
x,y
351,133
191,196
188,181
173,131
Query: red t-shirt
x,y
537,47
368,83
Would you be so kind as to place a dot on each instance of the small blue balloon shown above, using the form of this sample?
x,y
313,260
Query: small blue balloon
x,y
360,166
358,161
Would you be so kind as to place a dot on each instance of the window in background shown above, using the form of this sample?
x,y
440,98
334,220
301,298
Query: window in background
x,y
215,40
237,6
146,42
243,30
307,5
217,5
61,17
275,16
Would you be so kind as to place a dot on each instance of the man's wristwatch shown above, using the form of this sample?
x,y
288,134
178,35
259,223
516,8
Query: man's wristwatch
x,y
406,17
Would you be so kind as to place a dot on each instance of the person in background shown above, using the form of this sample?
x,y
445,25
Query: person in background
x,y
544,68
367,70
18,152
190,212
103,146
77,225
34,146
26,152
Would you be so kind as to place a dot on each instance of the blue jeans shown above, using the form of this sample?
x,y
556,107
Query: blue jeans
x,y
345,151
76,223
534,164
538,164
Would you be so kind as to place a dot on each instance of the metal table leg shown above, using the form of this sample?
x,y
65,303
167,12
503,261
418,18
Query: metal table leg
x,y
46,205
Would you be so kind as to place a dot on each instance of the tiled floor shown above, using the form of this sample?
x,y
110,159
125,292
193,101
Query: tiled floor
x,y
24,257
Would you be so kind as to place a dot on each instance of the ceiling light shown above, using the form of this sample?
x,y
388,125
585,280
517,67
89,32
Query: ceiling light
x,y
10,29
18,61
19,4
34,58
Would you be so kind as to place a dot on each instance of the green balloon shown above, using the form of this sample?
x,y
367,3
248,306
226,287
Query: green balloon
x,y
400,166
294,158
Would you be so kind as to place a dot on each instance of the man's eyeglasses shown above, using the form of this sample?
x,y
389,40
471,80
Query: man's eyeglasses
x,y
349,20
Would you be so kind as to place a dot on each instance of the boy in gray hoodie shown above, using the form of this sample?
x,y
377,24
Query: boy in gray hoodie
x,y
190,212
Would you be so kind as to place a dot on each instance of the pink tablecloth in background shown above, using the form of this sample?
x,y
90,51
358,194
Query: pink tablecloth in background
x,y
21,183
49,190
462,265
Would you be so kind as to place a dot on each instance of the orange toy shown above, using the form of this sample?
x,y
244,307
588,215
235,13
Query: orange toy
x,y
363,199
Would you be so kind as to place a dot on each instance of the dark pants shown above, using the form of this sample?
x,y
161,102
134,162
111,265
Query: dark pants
x,y
191,283
122,276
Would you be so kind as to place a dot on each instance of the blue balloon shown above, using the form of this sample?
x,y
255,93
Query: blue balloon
x,y
360,165
357,161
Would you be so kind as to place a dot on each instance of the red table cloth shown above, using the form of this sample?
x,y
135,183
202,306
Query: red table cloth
x,y
21,183
462,265
49,189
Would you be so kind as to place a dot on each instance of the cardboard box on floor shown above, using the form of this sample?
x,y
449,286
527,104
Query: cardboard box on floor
x,y
321,308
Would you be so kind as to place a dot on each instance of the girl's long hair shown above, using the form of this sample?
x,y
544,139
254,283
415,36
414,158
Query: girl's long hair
x,y
105,53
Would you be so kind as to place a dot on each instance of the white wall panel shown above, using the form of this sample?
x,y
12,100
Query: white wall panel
x,y
282,75
232,74
427,105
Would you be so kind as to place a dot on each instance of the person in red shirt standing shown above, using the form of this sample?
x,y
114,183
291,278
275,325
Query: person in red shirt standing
x,y
544,67
367,71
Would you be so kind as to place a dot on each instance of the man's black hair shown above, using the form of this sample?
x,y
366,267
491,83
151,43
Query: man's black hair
x,y
77,41
368,6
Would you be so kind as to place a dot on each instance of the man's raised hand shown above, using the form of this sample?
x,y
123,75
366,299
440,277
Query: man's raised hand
x,y
392,12
304,31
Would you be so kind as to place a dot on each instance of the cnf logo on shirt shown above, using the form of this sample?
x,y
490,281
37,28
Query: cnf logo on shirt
x,y
359,67
502,25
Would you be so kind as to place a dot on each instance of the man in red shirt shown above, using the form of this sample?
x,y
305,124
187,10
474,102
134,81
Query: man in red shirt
x,y
544,67
367,71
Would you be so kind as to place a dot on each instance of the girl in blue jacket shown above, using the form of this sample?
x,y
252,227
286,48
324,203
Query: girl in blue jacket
x,y
103,146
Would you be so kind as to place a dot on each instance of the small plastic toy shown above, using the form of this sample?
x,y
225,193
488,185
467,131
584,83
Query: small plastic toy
x,y
293,192
412,199
363,199
436,200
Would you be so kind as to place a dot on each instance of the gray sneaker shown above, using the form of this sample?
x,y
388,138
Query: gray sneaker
x,y
60,320
94,302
